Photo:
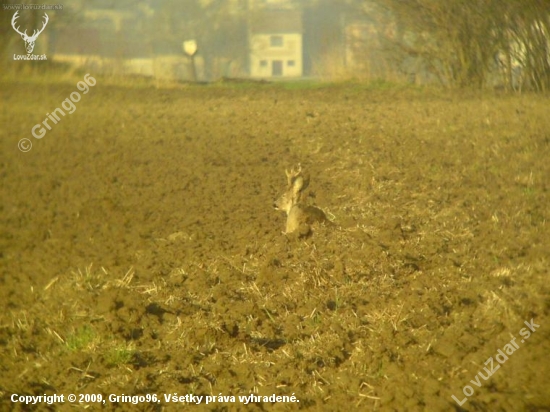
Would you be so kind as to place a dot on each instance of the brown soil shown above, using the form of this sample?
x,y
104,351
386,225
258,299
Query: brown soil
x,y
140,253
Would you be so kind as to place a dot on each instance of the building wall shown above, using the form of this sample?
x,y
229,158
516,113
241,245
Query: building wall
x,y
264,57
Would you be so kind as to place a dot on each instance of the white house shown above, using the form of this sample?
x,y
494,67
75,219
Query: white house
x,y
276,44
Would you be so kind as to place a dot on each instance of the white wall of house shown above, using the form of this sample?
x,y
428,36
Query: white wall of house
x,y
276,55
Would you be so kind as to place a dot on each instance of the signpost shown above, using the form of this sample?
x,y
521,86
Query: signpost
x,y
190,48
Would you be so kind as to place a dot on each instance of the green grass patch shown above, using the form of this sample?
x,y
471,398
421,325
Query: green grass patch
x,y
82,338
119,355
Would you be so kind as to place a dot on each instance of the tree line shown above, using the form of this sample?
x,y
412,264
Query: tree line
x,y
464,43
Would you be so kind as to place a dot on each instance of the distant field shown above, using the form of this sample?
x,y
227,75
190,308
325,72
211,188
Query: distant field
x,y
140,253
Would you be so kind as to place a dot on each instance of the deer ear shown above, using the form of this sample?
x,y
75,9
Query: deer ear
x,y
298,184
23,36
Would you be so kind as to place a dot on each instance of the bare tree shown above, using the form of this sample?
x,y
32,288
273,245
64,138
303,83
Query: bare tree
x,y
460,41
524,31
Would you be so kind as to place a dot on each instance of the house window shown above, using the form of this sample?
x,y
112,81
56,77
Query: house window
x,y
263,63
276,41
291,63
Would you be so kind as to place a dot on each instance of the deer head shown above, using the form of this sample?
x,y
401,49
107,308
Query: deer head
x,y
29,41
297,182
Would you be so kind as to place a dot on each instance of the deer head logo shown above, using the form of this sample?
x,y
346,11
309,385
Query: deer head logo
x,y
29,40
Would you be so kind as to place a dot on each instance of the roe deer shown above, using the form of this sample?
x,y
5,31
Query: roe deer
x,y
299,216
